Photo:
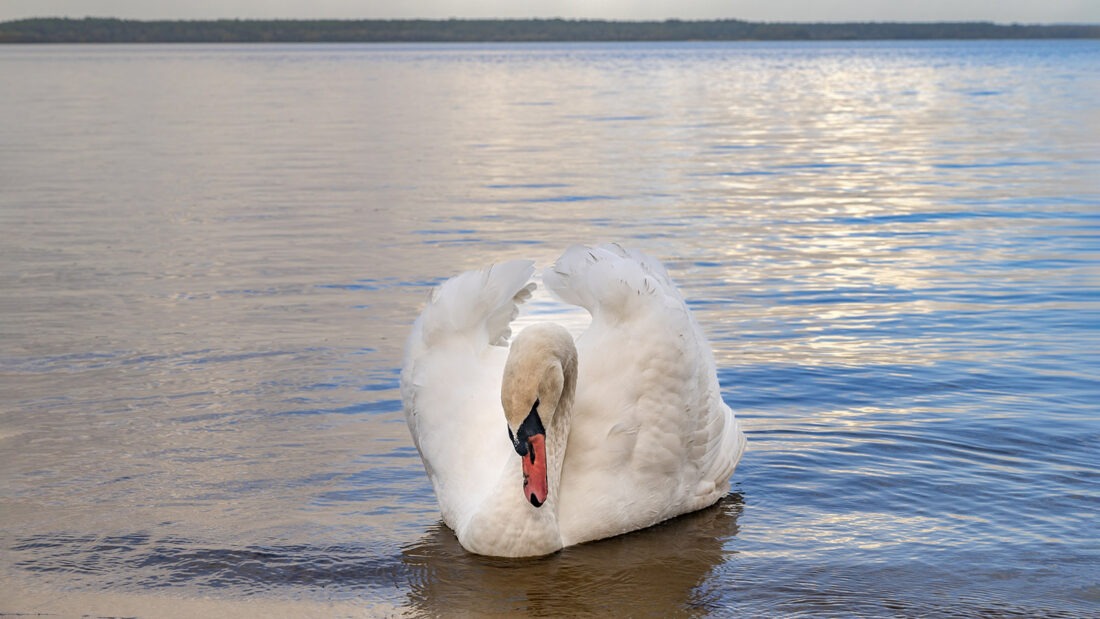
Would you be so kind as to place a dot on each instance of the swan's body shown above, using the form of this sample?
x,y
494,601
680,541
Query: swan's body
x,y
635,428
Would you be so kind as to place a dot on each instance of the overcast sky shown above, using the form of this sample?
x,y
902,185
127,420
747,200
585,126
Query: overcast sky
x,y
1003,11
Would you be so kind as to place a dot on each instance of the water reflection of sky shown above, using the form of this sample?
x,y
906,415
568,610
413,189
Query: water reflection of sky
x,y
213,253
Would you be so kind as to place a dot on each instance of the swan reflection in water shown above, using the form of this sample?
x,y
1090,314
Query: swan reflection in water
x,y
659,571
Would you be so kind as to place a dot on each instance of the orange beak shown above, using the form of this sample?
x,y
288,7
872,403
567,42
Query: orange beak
x,y
535,487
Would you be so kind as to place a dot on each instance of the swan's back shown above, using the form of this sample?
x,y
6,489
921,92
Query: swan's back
x,y
651,437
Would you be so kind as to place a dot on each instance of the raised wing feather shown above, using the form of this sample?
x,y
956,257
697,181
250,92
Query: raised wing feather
x,y
607,280
450,384
476,306
651,437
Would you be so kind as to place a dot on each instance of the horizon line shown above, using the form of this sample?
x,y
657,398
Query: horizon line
x,y
562,19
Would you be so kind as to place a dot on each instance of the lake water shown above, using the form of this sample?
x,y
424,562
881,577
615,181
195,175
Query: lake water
x,y
210,257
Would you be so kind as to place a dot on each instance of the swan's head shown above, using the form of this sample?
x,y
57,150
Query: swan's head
x,y
538,383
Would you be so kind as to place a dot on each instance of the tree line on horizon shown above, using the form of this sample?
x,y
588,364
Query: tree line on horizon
x,y
110,30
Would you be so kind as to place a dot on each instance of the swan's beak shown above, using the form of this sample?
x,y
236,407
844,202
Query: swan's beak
x,y
534,470
530,443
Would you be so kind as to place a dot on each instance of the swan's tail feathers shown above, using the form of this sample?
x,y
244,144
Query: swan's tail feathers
x,y
732,448
608,278
476,305
720,451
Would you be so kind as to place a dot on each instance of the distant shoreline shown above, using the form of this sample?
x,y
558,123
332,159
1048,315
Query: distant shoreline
x,y
110,30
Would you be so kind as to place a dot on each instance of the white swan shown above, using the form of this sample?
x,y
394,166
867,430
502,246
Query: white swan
x,y
543,444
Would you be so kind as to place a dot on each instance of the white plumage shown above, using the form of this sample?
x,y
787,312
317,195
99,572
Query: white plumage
x,y
647,436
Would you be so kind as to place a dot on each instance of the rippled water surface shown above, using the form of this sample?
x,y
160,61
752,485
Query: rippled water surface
x,y
210,257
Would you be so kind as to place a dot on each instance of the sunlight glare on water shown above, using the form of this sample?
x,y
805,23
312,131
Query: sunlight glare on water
x,y
210,257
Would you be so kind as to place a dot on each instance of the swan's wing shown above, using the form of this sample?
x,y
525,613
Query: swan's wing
x,y
476,307
450,382
651,436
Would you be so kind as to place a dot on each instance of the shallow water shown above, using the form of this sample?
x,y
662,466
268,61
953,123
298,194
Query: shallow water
x,y
211,255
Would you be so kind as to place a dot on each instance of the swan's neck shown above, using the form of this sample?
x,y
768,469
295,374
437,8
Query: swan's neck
x,y
506,523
